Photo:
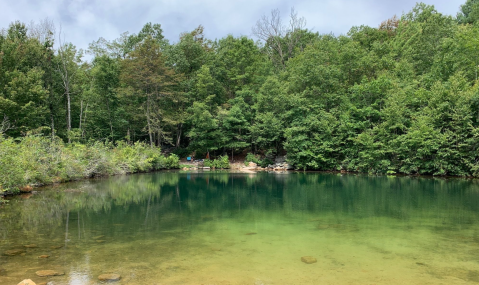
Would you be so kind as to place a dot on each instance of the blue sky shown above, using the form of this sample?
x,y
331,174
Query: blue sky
x,y
84,21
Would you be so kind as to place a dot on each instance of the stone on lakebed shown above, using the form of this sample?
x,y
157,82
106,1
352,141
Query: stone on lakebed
x,y
13,252
109,277
308,259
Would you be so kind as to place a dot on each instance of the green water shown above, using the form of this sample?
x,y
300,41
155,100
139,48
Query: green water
x,y
236,228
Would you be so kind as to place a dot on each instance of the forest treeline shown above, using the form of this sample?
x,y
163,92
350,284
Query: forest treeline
x,y
398,98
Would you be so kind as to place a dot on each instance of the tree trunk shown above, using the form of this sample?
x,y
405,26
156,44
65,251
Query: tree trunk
x,y
69,118
178,135
148,119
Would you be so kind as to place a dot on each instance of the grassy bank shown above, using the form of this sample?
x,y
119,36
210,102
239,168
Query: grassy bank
x,y
37,160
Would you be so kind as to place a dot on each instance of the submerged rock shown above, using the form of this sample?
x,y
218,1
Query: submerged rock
x,y
109,277
48,273
13,252
308,259
250,234
27,282
44,256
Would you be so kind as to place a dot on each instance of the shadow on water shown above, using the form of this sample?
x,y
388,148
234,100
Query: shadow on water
x,y
236,228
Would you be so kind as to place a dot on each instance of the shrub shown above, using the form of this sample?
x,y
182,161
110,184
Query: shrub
x,y
220,162
256,159
252,158
40,160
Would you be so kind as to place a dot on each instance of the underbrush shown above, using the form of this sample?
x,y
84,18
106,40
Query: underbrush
x,y
257,159
220,162
37,160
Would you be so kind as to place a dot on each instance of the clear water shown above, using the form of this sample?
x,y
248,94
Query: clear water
x,y
233,228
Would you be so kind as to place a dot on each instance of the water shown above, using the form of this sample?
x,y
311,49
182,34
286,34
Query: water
x,y
233,228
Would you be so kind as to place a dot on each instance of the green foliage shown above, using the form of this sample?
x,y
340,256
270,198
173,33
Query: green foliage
x,y
252,158
400,98
36,160
221,162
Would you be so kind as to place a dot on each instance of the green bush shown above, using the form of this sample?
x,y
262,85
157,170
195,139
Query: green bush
x,y
256,159
35,160
220,162
252,158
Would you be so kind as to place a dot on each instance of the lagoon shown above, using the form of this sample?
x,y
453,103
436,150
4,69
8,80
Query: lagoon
x,y
218,227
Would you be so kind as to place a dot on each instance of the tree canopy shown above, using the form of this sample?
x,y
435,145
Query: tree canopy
x,y
401,97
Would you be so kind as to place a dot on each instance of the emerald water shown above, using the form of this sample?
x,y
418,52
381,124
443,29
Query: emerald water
x,y
237,228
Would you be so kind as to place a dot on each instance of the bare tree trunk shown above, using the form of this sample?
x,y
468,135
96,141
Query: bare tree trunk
x,y
178,134
148,119
81,113
109,117
69,118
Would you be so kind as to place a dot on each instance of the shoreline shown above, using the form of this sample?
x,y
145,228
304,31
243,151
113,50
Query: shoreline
x,y
245,169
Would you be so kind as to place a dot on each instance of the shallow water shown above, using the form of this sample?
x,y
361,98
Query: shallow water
x,y
233,228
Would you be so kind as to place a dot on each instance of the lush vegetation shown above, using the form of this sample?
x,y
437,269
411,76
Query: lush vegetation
x,y
221,162
36,160
402,97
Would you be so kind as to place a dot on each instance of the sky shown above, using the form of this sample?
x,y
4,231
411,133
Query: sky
x,y
84,21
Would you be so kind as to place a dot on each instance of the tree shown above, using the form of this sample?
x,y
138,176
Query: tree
x,y
145,72
469,12
68,60
280,39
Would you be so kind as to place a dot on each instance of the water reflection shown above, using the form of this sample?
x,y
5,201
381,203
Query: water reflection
x,y
184,228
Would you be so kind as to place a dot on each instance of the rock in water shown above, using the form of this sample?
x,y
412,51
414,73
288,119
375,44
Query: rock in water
x,y
48,273
13,252
44,256
109,277
308,259
27,282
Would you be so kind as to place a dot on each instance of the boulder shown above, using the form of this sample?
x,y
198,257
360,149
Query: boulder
x,y
252,164
27,282
109,277
48,273
308,259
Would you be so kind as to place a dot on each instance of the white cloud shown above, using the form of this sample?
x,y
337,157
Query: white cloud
x,y
84,21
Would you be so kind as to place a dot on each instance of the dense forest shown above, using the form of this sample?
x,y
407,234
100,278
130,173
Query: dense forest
x,y
398,98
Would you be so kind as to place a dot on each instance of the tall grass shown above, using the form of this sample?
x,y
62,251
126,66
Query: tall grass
x,y
37,160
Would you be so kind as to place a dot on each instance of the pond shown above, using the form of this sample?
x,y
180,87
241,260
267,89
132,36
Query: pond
x,y
245,228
